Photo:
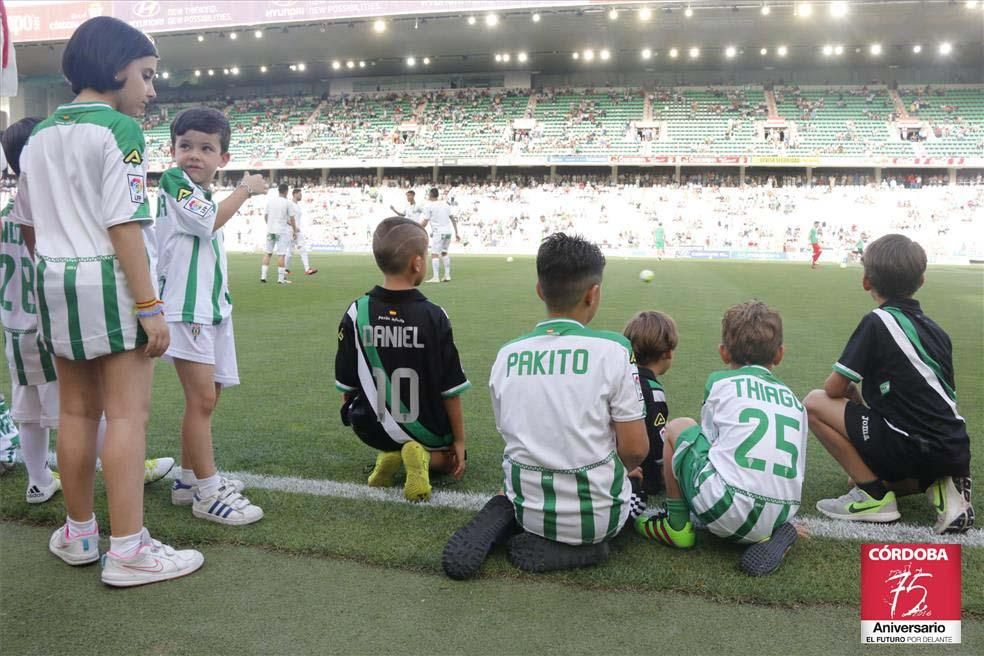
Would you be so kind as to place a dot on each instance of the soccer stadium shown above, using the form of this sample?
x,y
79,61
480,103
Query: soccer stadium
x,y
703,155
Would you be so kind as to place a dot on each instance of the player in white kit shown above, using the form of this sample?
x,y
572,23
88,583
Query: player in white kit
x,y
280,231
412,210
300,239
437,213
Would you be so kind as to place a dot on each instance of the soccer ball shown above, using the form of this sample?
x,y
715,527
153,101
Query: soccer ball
x,y
843,265
509,259
646,275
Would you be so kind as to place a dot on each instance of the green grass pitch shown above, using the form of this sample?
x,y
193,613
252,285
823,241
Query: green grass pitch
x,y
283,420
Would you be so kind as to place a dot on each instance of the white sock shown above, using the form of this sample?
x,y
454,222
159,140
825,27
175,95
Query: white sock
x,y
263,271
125,546
281,273
306,261
34,450
81,528
436,264
208,486
287,262
188,476
447,266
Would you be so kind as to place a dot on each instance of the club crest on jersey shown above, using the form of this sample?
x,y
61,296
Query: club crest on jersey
x,y
196,330
197,206
183,193
133,158
137,191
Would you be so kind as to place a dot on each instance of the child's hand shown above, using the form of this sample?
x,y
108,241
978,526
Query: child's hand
x,y
636,473
158,335
255,183
854,394
458,450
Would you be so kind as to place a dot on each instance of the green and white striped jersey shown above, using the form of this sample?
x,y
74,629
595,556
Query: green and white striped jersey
x,y
556,394
18,307
757,429
193,268
83,172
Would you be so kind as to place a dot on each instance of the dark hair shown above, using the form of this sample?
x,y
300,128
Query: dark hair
x,y
99,49
894,265
566,267
752,333
203,119
282,188
12,141
652,335
395,241
434,192
297,190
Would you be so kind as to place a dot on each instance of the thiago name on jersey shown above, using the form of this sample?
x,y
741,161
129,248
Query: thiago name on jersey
x,y
751,388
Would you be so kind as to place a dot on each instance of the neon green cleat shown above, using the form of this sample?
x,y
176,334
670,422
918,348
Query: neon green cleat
x,y
417,461
658,528
387,464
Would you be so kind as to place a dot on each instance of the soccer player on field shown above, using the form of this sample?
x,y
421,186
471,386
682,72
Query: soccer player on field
x,y
901,432
653,336
399,370
412,210
34,398
281,230
299,241
740,470
197,305
569,407
83,175
815,244
438,214
660,242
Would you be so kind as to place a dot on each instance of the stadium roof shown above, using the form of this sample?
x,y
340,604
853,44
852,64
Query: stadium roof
x,y
320,33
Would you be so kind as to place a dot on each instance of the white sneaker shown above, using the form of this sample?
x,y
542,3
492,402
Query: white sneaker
x,y
950,497
75,550
183,494
157,468
285,282
434,279
858,506
446,279
151,563
226,506
41,493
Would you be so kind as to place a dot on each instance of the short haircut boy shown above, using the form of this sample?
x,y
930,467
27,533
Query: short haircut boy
x,y
99,49
395,241
752,333
13,140
566,267
434,192
282,188
894,265
205,120
652,335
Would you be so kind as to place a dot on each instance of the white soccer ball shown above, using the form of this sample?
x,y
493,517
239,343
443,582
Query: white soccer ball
x,y
509,259
646,275
843,265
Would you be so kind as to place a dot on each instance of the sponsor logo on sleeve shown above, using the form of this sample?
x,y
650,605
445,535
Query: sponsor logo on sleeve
x,y
183,193
197,206
133,158
136,184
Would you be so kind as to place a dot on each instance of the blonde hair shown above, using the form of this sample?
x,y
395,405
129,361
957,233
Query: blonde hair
x,y
752,333
652,334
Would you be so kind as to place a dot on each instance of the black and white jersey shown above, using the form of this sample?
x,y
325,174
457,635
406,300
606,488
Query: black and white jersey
x,y
396,348
904,362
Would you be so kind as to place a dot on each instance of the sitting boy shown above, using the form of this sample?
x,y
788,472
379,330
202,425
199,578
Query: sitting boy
x,y
653,336
901,433
569,407
741,469
399,370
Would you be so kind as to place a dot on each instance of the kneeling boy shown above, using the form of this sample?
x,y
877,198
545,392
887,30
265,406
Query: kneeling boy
x,y
399,370
741,469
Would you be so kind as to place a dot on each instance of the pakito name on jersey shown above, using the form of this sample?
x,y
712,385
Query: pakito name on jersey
x,y
751,388
12,233
547,363
391,337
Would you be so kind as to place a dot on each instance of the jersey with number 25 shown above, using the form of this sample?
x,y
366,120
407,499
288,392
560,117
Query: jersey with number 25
x,y
758,430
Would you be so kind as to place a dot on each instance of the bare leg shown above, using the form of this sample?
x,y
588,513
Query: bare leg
x,y
827,423
201,397
81,406
670,435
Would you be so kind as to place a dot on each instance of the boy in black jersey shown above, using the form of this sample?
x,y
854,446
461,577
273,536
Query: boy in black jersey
x,y
901,433
399,370
653,336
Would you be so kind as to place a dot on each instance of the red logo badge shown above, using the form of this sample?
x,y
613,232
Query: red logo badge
x,y
910,593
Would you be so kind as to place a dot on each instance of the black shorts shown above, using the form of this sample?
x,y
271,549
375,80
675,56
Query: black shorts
x,y
894,456
358,414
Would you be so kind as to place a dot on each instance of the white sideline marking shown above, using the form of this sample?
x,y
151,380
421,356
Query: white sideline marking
x,y
818,526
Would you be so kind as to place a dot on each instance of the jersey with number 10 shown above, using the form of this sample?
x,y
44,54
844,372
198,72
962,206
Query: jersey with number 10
x,y
757,429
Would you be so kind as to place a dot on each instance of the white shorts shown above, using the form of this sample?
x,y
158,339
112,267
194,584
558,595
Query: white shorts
x,y
440,242
27,359
206,344
278,244
35,404
300,243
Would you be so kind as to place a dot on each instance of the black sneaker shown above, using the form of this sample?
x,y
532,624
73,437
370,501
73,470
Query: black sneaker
x,y
532,553
470,545
765,557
